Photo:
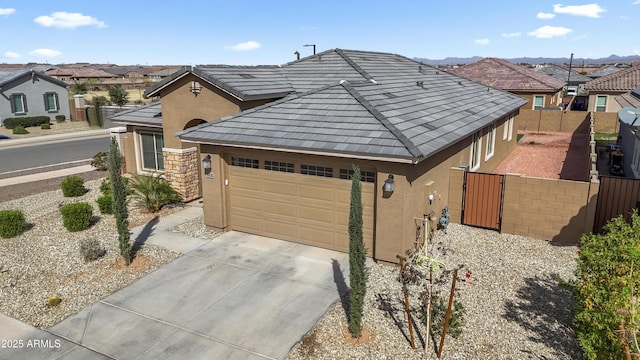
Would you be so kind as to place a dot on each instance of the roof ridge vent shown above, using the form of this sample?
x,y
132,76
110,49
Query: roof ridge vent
x,y
373,81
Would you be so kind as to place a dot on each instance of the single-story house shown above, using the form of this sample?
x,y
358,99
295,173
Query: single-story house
x,y
270,149
603,90
30,93
541,90
629,140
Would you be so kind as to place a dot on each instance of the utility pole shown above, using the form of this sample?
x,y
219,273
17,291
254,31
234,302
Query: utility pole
x,y
570,63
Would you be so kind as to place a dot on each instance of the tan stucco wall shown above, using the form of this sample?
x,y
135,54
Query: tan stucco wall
x,y
398,216
550,99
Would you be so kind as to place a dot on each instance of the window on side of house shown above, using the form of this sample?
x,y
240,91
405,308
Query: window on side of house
x,y
316,170
18,104
245,162
491,141
507,131
476,149
601,103
365,176
278,166
51,103
538,102
152,158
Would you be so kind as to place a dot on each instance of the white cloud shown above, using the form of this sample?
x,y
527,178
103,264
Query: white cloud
x,y
65,20
545,16
589,10
11,55
7,11
45,52
482,41
549,32
637,2
249,45
513,34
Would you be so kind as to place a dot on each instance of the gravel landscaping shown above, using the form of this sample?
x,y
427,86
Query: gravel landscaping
x,y
516,305
45,260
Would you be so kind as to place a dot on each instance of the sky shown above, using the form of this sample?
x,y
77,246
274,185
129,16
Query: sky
x,y
260,32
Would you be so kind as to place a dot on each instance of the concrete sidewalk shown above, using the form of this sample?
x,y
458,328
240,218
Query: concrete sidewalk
x,y
238,296
46,175
54,137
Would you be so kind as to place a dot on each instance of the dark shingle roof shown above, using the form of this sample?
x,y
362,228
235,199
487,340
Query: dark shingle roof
x,y
630,99
395,120
7,76
604,71
504,75
562,74
149,115
623,80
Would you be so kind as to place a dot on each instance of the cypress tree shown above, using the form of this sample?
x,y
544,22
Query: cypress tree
x,y
357,257
119,194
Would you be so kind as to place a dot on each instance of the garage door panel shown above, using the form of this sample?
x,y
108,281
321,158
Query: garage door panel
x,y
301,208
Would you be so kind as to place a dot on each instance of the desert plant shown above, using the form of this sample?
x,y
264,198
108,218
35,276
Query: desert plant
x,y
25,121
105,204
45,126
90,249
12,223
438,312
99,161
73,186
106,189
118,95
357,257
61,118
119,193
153,192
53,300
19,130
606,289
77,216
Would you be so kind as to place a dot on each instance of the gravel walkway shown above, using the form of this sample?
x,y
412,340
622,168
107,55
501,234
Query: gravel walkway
x,y
45,260
516,307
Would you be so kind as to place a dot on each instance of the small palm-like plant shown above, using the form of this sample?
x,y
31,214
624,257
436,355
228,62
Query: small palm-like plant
x,y
153,192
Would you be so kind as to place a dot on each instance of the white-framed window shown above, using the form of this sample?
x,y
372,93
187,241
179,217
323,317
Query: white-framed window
x,y
151,145
507,131
476,150
601,103
51,103
491,142
18,104
538,102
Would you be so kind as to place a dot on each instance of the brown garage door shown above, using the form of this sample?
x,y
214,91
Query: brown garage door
x,y
307,209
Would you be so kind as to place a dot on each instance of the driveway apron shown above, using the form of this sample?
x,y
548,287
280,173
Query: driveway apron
x,y
238,296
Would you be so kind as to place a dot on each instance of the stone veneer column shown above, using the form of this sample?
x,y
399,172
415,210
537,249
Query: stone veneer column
x,y
181,169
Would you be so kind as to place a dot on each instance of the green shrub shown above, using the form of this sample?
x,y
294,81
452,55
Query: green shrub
x,y
19,130
105,204
105,186
12,223
99,161
153,192
73,186
25,121
90,249
45,126
77,217
61,118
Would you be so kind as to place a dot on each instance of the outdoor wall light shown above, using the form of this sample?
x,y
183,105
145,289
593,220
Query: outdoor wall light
x,y
206,165
195,88
430,198
388,184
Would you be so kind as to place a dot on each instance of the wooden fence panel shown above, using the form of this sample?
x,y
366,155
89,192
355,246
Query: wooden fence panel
x,y
482,205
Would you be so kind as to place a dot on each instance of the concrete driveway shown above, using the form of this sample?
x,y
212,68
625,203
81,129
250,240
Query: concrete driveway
x,y
239,296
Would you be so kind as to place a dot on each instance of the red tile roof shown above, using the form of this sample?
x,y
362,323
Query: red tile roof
x,y
504,75
80,73
623,80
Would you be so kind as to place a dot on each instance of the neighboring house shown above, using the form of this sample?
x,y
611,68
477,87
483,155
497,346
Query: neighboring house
x,y
71,75
604,90
30,93
630,99
574,80
541,90
629,140
270,149
161,74
604,71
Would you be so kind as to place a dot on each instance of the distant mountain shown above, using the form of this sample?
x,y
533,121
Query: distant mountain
x,y
613,59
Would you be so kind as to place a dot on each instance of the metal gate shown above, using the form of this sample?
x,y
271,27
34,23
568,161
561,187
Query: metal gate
x,y
482,200
616,196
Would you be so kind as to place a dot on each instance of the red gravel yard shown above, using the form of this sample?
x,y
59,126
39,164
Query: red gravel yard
x,y
549,155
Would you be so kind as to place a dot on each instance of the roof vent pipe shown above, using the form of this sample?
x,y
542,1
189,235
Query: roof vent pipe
x,y
420,84
297,55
